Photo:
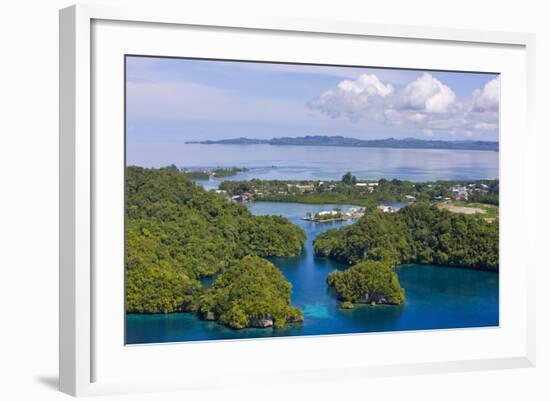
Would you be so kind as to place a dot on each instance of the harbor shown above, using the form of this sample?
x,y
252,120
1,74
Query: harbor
x,y
335,214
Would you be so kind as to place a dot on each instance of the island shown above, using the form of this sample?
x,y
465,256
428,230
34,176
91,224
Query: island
x,y
323,140
368,282
478,194
209,173
178,233
448,223
254,293
418,233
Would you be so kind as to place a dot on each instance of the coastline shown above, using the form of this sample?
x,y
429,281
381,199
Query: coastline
x,y
348,142
363,318
322,314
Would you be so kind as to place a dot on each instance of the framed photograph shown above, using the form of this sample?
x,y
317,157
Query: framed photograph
x,y
283,200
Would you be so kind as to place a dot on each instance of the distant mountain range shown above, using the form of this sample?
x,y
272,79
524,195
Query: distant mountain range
x,y
320,140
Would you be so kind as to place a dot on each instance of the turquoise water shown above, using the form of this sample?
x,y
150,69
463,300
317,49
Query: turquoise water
x,y
437,297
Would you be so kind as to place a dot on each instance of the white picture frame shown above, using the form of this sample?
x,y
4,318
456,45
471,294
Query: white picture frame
x,y
83,346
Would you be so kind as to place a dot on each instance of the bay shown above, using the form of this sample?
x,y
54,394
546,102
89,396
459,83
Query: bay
x,y
326,163
437,297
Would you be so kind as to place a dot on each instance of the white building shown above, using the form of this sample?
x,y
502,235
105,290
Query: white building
x,y
386,209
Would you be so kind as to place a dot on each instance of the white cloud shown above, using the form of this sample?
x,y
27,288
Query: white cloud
x,y
428,132
488,98
353,98
427,94
485,126
417,117
367,84
425,104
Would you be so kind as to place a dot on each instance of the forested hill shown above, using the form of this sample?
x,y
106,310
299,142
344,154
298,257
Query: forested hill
x,y
322,140
177,232
417,233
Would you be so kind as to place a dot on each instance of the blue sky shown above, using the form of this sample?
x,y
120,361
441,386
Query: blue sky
x,y
175,100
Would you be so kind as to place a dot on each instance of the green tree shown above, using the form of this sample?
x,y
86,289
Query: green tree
x,y
367,282
177,232
349,179
418,233
252,293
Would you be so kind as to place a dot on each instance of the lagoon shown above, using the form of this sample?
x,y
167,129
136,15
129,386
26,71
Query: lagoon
x,y
437,297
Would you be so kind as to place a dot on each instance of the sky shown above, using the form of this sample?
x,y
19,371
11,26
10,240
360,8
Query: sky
x,y
173,100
